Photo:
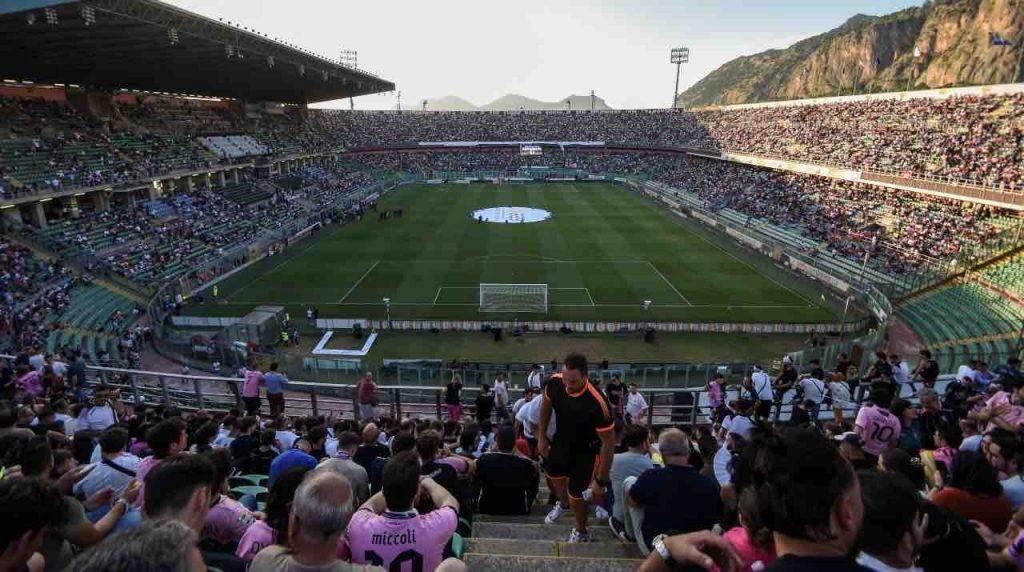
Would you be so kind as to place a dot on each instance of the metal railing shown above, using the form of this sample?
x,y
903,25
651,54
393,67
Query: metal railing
x,y
668,405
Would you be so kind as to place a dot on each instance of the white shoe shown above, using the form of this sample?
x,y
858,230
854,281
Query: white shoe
x,y
601,513
576,537
556,512
587,495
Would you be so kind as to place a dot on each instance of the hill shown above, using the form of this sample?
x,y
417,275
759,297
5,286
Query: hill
x,y
515,102
876,53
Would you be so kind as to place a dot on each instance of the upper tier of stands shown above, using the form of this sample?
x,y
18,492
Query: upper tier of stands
x,y
974,139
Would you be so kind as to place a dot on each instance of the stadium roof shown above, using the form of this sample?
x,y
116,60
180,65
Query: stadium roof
x,y
152,46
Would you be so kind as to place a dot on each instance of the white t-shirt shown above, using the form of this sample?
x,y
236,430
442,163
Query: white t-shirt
x,y
102,476
500,394
877,565
533,380
95,419
635,404
286,438
529,414
814,389
762,386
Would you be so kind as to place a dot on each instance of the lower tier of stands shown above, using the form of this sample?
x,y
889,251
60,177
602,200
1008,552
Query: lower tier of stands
x,y
93,322
965,321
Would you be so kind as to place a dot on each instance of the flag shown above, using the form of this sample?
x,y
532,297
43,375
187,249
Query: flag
x,y
998,40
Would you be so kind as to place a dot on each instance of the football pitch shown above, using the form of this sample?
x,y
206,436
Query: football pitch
x,y
603,251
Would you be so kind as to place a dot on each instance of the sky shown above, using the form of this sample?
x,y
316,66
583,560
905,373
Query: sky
x,y
483,49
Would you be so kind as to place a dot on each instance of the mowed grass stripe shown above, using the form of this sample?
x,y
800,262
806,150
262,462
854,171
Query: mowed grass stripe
x,y
609,229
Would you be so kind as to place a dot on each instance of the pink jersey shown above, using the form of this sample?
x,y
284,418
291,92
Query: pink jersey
x,y
460,465
29,383
145,467
880,429
714,395
1014,414
259,535
401,541
227,521
251,386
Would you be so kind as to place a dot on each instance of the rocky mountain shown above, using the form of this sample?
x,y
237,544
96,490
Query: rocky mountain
x,y
514,102
877,53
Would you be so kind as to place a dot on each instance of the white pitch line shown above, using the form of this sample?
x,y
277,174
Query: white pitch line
x,y
592,303
731,306
358,282
670,285
438,295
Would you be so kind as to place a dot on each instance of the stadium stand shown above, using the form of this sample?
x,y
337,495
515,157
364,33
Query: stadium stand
x,y
118,207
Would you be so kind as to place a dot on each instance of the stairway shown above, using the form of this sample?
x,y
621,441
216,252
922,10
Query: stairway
x,y
526,544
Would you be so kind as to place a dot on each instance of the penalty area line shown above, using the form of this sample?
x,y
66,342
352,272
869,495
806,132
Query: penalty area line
x,y
358,282
670,284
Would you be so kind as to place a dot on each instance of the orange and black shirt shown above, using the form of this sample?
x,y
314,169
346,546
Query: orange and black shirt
x,y
580,416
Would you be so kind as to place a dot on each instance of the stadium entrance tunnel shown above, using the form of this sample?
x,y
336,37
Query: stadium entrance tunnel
x,y
511,215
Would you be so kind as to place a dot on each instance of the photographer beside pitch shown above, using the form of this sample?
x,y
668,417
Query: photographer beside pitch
x,y
579,456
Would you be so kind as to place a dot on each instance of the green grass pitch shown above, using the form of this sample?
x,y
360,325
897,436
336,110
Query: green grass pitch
x,y
604,250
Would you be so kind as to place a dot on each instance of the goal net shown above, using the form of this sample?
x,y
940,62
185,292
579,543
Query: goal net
x,y
513,298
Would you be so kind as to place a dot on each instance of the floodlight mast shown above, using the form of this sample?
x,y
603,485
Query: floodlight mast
x,y
679,56
350,58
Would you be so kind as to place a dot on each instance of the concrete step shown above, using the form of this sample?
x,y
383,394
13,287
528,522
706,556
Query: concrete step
x,y
509,563
536,516
516,547
520,531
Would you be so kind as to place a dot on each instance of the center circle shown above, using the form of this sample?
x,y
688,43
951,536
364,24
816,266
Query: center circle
x,y
511,215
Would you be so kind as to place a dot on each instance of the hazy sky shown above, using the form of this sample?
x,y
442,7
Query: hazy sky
x,y
483,49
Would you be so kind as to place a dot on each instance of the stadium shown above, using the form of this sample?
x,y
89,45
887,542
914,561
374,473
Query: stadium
x,y
190,251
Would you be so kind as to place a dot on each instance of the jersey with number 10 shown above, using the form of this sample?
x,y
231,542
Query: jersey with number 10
x,y
880,428
401,542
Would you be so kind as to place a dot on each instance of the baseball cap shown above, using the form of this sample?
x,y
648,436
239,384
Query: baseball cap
x,y
850,437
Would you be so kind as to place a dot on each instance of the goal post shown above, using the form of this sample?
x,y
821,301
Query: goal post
x,y
514,298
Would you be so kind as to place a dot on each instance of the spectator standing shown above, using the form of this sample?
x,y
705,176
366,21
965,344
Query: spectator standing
x,y
275,383
484,403
452,399
760,387
501,396
927,370
534,379
877,427
508,482
251,390
583,444
636,406
674,498
616,392
813,390
366,392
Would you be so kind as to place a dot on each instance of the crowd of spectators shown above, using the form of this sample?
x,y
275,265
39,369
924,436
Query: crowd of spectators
x,y
976,139
94,483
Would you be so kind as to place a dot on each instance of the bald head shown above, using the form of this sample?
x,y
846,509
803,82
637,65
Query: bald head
x,y
322,507
674,446
370,433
